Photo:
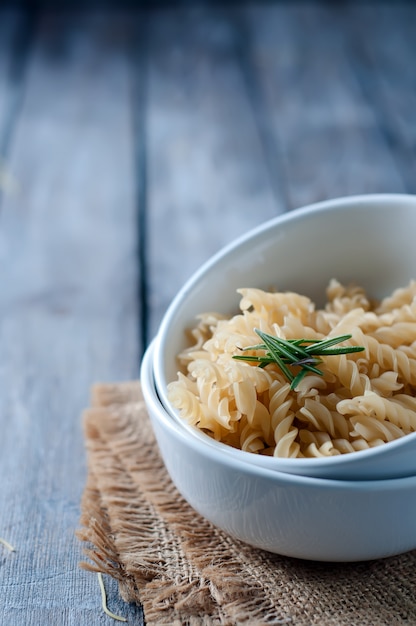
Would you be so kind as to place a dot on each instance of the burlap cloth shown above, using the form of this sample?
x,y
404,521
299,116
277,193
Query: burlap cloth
x,y
137,528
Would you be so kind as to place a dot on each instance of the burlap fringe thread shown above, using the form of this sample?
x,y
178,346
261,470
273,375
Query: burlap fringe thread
x,y
183,571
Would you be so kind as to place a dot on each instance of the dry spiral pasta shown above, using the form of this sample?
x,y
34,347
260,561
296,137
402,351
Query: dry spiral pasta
x,y
362,399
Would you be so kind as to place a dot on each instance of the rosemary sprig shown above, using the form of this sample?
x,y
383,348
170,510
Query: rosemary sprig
x,y
303,353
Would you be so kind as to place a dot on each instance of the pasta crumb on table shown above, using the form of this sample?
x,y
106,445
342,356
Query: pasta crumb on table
x,y
363,399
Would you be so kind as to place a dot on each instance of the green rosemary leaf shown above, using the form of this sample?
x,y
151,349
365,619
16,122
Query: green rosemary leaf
x,y
300,342
255,359
302,353
259,346
298,378
290,350
326,343
271,346
343,350
309,365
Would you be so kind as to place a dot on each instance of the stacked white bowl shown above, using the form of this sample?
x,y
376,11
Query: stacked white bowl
x,y
344,508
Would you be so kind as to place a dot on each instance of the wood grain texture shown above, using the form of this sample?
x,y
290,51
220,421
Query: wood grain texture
x,y
326,131
207,177
69,307
386,76
16,30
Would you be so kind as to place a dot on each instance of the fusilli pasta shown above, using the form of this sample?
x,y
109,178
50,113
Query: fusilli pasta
x,y
363,399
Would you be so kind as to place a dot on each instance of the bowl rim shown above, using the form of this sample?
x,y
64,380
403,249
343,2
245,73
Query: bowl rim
x,y
379,199
176,429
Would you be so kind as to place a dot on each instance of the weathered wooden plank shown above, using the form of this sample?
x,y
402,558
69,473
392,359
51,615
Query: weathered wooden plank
x,y
326,130
386,74
15,37
207,177
69,308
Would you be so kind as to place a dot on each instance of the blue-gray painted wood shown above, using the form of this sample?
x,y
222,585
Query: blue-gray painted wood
x,y
386,77
142,142
16,29
69,307
207,177
326,130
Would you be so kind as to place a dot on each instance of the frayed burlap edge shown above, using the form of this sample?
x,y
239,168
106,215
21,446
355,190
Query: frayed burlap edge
x,y
139,530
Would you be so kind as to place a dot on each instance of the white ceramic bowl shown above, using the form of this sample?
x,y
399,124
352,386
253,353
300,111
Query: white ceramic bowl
x,y
396,459
368,239
296,516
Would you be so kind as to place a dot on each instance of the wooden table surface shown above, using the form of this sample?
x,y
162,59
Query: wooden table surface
x,y
134,144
